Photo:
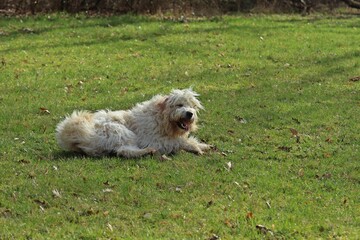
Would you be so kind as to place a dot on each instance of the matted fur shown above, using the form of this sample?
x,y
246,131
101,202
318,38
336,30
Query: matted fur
x,y
162,124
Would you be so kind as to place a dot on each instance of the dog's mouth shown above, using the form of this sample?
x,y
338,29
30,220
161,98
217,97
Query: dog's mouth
x,y
184,124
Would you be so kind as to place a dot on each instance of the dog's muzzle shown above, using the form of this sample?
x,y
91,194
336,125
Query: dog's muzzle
x,y
186,121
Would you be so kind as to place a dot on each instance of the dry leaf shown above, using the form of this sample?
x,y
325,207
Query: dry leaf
x,y
56,193
41,203
229,223
228,166
164,158
294,132
110,227
24,161
296,120
42,208
214,237
90,211
264,229
284,148
32,174
44,110
6,213
301,172
328,140
241,119
355,79
28,30
324,176
147,215
249,215
107,190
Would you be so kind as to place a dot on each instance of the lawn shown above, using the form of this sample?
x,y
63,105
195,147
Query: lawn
x,y
282,109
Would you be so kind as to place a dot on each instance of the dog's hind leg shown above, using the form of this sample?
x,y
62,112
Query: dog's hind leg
x,y
133,151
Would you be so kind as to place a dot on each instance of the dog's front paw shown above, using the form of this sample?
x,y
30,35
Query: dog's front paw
x,y
151,150
204,146
200,152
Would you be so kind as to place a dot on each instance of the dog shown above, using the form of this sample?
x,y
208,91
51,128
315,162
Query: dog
x,y
160,125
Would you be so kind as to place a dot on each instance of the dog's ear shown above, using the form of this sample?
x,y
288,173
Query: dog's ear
x,y
162,103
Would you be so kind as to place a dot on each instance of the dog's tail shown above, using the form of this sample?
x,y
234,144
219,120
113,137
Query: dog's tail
x,y
75,130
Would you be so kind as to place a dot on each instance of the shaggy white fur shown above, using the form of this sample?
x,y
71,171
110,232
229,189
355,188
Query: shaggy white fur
x,y
162,124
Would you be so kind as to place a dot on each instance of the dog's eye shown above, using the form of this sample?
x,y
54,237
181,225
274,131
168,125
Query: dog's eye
x,y
179,105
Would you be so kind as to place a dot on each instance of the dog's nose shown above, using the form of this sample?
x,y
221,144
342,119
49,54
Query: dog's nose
x,y
189,115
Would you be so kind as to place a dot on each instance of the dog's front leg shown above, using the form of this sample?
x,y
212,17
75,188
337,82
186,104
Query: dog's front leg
x,y
191,144
133,151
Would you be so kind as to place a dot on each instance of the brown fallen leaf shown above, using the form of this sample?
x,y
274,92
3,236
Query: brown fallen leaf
x,y
6,213
296,120
249,215
355,79
41,203
323,176
229,223
214,237
284,148
90,211
24,161
209,204
44,110
295,134
240,119
32,174
264,230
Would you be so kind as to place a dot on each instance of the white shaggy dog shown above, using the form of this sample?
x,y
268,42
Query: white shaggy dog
x,y
162,124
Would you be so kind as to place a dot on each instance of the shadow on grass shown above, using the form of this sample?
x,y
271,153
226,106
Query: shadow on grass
x,y
67,156
70,156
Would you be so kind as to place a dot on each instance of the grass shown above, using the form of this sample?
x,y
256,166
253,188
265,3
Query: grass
x,y
279,107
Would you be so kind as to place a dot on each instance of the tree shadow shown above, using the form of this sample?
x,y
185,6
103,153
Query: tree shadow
x,y
107,37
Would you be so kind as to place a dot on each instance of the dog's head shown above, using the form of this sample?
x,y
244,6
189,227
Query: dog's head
x,y
180,108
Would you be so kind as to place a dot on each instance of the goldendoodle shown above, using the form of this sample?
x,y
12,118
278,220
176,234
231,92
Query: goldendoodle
x,y
162,124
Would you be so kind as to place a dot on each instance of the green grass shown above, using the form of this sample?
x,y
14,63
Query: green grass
x,y
276,72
